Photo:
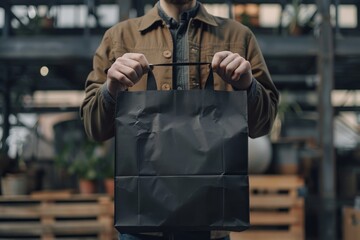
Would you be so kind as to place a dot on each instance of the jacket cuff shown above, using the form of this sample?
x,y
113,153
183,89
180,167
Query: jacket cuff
x,y
252,91
109,101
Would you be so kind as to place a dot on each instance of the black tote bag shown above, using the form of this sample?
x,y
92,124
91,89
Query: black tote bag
x,y
181,160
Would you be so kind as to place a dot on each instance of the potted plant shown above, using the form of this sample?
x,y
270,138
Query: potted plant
x,y
301,20
108,173
287,104
13,174
107,165
84,161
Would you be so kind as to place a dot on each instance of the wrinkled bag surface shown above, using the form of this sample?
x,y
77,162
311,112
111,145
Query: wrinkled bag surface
x,y
181,160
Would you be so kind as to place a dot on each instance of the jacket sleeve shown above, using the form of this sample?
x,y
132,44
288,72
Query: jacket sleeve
x,y
96,111
263,102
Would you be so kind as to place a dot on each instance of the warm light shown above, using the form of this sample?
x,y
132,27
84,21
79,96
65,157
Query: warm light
x,y
44,71
252,9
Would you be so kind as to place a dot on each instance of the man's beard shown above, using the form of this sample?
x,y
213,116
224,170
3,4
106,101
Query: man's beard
x,y
178,2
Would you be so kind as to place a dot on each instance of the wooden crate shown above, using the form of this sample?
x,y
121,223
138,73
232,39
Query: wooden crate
x,y
56,216
351,223
276,209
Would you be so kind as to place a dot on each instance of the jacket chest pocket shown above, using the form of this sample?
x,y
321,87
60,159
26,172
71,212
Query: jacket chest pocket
x,y
210,51
158,55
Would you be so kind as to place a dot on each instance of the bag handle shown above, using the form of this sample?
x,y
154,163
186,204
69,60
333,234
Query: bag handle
x,y
151,82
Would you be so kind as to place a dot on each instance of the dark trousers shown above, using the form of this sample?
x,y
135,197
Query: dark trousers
x,y
171,236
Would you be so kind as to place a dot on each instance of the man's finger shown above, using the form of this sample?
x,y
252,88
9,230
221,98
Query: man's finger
x,y
218,58
242,70
121,78
139,59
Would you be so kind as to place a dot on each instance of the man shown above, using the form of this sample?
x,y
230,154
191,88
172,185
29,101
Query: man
x,y
177,31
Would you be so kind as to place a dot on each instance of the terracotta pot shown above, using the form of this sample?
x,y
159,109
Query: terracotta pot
x,y
286,158
87,186
14,184
109,186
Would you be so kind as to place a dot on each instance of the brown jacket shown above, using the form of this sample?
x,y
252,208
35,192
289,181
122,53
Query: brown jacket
x,y
149,35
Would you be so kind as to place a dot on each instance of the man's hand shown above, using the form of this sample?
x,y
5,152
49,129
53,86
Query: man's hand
x,y
125,72
233,69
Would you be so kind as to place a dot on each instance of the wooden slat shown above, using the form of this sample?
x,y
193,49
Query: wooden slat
x,y
51,195
24,212
273,201
87,238
47,197
76,227
58,227
272,218
265,235
17,198
275,182
18,228
55,210
74,210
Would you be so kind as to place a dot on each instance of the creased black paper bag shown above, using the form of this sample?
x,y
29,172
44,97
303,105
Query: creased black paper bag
x,y
181,161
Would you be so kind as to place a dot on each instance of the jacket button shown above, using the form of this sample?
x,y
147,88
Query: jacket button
x,y
167,54
165,86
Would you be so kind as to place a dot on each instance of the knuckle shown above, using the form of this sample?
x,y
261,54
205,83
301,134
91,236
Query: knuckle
x,y
132,72
137,70
236,76
111,72
139,57
229,70
136,57
119,60
126,55
142,56
121,77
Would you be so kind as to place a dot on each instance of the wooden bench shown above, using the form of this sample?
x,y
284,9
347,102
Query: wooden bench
x,y
54,216
276,209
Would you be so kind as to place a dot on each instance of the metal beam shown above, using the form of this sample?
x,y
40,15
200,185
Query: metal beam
x,y
46,2
124,9
48,48
139,6
59,47
6,109
278,46
327,214
7,21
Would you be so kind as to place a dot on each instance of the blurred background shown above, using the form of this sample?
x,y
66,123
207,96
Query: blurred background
x,y
305,174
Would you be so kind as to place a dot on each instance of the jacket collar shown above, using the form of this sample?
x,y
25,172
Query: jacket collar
x,y
205,17
153,17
